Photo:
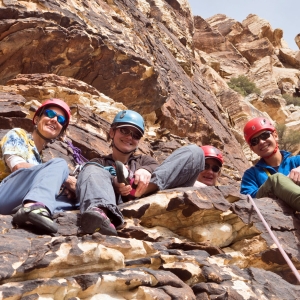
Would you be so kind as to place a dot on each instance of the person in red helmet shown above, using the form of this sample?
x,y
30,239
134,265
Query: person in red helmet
x,y
30,188
213,164
277,173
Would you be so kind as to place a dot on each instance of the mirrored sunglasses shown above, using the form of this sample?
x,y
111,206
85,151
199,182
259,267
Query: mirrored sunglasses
x,y
263,136
52,114
127,131
214,168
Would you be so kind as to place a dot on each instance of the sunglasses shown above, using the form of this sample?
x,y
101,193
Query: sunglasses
x,y
214,168
127,131
263,136
52,114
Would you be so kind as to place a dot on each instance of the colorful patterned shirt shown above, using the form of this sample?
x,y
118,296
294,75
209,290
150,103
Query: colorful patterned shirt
x,y
18,142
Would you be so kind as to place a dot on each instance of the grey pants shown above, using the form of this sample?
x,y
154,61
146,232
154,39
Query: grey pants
x,y
94,185
282,187
39,183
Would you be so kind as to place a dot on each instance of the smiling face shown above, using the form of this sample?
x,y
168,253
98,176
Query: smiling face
x,y
48,127
209,177
125,142
264,148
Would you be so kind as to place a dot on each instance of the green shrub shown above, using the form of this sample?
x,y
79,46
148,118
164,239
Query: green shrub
x,y
243,85
288,140
291,100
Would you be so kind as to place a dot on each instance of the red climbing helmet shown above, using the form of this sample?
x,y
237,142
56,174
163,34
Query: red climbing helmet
x,y
213,152
256,125
54,102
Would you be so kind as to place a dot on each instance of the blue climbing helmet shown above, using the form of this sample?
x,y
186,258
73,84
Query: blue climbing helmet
x,y
131,118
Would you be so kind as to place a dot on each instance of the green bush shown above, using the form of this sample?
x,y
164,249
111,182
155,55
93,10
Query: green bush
x,y
288,140
291,100
243,85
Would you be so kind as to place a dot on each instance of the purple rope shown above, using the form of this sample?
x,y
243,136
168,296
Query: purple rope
x,y
79,159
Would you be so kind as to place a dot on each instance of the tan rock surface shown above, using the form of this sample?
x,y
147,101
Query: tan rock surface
x,y
297,40
154,57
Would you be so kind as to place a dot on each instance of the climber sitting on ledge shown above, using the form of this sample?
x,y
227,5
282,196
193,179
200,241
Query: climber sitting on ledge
x,y
277,173
31,188
100,191
212,170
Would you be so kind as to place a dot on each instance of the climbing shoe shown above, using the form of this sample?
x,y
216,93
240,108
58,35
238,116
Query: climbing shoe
x,y
125,176
95,220
37,215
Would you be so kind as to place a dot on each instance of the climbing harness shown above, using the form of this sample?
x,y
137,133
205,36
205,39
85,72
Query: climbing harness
x,y
287,259
82,162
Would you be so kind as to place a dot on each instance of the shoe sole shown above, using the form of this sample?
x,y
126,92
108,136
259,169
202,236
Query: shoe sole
x,y
92,221
42,222
120,173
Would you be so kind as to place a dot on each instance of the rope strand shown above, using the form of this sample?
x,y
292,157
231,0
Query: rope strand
x,y
287,259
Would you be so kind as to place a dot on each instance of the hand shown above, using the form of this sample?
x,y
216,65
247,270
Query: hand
x,y
141,179
295,175
69,194
70,184
121,188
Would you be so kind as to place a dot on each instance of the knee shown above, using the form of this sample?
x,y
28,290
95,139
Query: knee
x,y
276,177
94,170
59,163
197,153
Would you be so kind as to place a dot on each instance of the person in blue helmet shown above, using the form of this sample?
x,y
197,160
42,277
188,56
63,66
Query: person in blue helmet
x,y
100,191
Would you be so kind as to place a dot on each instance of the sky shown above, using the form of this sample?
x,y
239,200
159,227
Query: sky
x,y
284,14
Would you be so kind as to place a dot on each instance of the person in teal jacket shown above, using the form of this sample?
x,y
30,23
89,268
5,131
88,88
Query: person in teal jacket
x,y
277,173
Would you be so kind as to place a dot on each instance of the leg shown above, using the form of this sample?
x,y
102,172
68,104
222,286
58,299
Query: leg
x,y
180,169
94,189
46,186
40,183
282,187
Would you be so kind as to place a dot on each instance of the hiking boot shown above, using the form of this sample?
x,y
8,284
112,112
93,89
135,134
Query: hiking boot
x,y
124,176
36,214
95,220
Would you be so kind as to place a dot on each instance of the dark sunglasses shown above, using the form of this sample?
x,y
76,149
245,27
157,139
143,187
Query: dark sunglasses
x,y
263,136
214,168
52,114
127,131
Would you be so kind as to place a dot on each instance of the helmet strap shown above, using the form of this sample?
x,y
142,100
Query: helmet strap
x,y
51,141
273,153
129,152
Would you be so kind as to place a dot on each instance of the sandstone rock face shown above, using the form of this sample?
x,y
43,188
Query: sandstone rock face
x,y
253,49
173,68
297,40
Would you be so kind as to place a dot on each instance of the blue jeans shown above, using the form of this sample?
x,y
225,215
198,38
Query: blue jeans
x,y
94,184
39,183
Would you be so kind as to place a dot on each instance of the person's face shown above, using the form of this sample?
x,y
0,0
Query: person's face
x,y
50,127
264,143
212,171
125,138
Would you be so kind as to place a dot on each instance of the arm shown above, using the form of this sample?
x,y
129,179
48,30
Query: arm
x,y
69,187
295,171
19,150
15,162
144,172
249,184
145,166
